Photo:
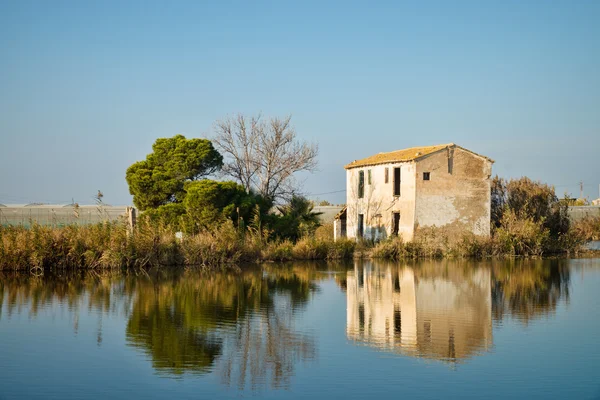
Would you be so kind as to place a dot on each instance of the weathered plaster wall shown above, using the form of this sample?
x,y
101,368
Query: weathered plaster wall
x,y
457,196
379,202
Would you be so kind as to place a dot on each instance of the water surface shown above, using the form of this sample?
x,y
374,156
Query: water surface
x,y
443,329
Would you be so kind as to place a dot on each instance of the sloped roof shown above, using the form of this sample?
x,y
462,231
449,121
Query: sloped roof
x,y
342,211
327,213
405,155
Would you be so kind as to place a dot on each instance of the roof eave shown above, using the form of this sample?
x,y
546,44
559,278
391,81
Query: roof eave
x,y
350,166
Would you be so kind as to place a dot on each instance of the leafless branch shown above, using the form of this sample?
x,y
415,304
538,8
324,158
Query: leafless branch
x,y
264,156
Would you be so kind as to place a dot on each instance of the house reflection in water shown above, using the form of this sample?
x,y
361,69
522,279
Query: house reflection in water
x,y
429,311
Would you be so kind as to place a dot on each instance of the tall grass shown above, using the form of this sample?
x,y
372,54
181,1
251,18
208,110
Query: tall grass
x,y
104,245
112,245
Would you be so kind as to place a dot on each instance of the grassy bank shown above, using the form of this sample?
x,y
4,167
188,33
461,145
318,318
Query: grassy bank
x,y
111,245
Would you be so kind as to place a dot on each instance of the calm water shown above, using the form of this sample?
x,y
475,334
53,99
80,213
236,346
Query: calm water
x,y
517,329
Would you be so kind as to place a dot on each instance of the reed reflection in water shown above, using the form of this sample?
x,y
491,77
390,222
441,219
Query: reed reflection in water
x,y
243,327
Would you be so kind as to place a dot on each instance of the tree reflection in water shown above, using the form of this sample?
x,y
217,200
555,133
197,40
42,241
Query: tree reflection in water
x,y
528,289
244,322
242,325
188,321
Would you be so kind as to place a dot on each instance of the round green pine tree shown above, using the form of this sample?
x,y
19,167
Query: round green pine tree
x,y
160,179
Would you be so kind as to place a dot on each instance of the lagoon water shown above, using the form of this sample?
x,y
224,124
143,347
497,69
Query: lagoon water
x,y
437,329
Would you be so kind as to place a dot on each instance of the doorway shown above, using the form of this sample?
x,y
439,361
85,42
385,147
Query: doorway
x,y
396,224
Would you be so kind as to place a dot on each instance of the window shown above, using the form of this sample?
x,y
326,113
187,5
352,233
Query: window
x,y
361,184
397,181
387,175
426,176
369,177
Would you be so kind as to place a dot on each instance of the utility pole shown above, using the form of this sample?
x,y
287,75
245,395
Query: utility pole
x,y
581,189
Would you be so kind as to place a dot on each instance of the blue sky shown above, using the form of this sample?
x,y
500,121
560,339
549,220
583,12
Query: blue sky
x,y
86,87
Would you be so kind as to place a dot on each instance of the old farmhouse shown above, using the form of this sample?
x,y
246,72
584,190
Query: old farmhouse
x,y
397,193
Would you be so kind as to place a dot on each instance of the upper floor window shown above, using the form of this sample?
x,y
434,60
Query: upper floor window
x,y
387,175
426,176
397,178
369,177
361,184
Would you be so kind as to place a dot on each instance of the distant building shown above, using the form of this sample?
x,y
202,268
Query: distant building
x,y
397,193
596,202
327,213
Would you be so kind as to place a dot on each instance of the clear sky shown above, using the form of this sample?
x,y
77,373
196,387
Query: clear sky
x,y
86,87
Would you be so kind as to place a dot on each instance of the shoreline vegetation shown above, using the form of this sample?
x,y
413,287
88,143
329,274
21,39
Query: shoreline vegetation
x,y
190,220
112,245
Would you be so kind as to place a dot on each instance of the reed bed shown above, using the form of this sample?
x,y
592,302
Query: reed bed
x,y
112,245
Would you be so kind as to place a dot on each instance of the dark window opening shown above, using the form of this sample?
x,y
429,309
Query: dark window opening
x,y
361,184
427,331
361,317
451,345
426,176
396,181
361,225
361,279
397,321
387,175
396,225
397,284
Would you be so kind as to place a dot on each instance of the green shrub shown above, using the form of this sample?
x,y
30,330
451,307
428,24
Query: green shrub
x,y
393,248
342,249
213,248
279,251
310,249
521,236
471,245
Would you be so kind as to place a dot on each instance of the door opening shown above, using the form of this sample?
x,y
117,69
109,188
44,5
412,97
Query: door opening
x,y
396,225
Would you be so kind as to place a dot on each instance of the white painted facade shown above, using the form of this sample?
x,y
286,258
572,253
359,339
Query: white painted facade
x,y
456,196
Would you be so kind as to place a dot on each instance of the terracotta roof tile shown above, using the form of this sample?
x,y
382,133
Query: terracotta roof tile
x,y
403,155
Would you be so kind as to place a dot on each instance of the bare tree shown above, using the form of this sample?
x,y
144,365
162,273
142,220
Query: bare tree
x,y
264,155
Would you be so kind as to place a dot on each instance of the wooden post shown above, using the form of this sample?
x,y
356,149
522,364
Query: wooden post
x,y
131,217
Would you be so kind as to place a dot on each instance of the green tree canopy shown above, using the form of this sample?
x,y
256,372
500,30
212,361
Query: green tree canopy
x,y
529,199
208,202
161,178
297,219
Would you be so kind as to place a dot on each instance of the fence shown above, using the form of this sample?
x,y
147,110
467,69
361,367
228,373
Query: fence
x,y
64,215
